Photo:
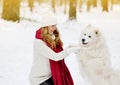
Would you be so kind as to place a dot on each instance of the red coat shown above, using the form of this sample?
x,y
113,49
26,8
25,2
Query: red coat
x,y
59,70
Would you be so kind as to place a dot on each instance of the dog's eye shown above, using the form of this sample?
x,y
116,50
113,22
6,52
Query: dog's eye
x,y
89,36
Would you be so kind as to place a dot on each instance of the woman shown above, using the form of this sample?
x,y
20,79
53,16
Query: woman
x,y
48,64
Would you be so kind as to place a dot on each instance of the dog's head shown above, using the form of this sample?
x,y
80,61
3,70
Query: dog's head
x,y
89,36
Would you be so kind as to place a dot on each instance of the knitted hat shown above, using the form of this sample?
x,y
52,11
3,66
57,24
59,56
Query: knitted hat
x,y
47,19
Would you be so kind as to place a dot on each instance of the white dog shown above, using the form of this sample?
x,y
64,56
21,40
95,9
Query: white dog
x,y
94,58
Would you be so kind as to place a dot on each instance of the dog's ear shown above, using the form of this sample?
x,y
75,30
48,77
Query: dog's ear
x,y
97,32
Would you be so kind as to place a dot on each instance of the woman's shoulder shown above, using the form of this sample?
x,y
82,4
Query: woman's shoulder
x,y
38,41
40,44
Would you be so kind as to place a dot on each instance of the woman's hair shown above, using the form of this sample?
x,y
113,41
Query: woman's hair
x,y
48,39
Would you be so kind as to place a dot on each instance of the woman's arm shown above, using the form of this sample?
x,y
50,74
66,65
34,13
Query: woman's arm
x,y
43,49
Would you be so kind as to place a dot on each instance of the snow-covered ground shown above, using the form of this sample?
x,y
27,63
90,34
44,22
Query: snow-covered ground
x,y
16,41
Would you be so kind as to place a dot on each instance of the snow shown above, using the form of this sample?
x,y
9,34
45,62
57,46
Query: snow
x,y
16,41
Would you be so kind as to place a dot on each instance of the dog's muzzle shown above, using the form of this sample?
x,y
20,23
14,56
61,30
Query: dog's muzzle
x,y
83,42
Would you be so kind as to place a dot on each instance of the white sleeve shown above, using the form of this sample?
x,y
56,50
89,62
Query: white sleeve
x,y
44,50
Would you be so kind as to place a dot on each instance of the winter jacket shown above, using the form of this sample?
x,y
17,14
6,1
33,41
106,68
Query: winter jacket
x,y
41,67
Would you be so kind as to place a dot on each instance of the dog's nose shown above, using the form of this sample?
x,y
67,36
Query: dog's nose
x,y
83,40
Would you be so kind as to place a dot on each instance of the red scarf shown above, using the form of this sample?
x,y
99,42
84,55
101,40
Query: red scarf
x,y
59,70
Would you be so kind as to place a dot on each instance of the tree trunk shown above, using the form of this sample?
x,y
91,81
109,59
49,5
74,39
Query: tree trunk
x,y
72,9
11,10
105,5
65,6
112,2
39,1
95,3
31,4
61,2
89,3
53,5
80,5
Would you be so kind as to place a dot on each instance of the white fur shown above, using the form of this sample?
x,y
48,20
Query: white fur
x,y
94,58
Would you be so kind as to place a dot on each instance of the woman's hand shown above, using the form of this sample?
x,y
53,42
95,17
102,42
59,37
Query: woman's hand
x,y
73,49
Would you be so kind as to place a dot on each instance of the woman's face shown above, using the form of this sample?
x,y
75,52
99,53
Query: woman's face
x,y
51,29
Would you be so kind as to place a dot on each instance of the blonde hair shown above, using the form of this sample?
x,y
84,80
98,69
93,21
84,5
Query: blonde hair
x,y
48,39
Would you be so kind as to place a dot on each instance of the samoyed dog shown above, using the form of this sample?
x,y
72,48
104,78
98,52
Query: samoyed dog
x,y
94,58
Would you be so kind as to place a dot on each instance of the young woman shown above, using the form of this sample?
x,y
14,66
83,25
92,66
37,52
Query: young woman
x,y
48,64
